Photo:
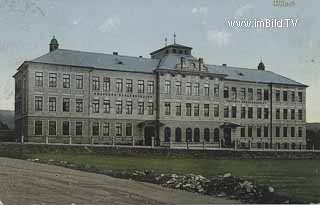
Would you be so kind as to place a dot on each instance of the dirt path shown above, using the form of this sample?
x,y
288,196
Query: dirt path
x,y
24,182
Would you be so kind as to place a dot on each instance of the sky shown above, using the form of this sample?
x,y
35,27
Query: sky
x,y
139,27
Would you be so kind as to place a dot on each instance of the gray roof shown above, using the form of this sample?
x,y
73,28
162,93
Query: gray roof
x,y
148,65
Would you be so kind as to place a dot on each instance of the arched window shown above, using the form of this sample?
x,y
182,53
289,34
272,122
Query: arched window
x,y
286,145
216,135
207,134
178,134
293,146
189,134
196,134
259,145
167,134
266,145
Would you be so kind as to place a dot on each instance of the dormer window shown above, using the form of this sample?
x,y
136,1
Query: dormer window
x,y
174,51
186,52
180,52
167,51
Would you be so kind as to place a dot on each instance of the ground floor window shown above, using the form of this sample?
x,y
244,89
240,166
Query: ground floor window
x,y
106,129
118,129
167,134
95,128
293,146
65,127
128,129
216,135
207,134
189,135
178,134
38,127
52,128
78,128
196,134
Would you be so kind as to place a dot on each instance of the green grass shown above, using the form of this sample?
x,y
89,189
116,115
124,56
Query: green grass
x,y
300,179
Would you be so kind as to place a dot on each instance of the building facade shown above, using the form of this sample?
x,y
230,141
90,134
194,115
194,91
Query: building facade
x,y
171,99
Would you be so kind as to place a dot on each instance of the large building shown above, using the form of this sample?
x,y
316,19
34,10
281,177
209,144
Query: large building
x,y
170,99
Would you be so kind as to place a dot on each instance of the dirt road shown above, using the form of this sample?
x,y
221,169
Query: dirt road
x,y
24,182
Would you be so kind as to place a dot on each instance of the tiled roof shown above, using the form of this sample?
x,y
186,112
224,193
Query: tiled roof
x,y
148,65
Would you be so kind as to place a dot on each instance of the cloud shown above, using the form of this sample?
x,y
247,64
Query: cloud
x,y
111,24
200,11
242,10
218,38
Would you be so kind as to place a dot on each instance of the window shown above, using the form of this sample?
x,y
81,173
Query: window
x,y
293,114
65,127
78,128
277,131
293,96
250,112
259,94
150,87
178,88
285,132
207,134
250,93
140,108
140,86
167,87
299,114
206,110
233,111
129,86
52,80
118,129
278,114
106,84
299,131
38,103
216,90
242,95
79,81
66,81
249,131
293,132
243,112
128,129
106,106
196,109
95,128
216,110
129,107
119,107
216,135
52,104
188,109
278,95
95,83
196,134
243,131
95,106
178,109
119,85
258,131
285,114
300,96
52,128
226,111
79,105
167,134
266,95
206,89
66,105
188,89
150,108
196,89
39,79
38,127
167,108
106,129
265,113
285,95
226,92
234,93
178,134
266,131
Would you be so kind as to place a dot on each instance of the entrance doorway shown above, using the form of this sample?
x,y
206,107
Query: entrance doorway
x,y
227,137
148,134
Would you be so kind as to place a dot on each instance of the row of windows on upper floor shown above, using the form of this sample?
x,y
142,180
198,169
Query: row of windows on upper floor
x,y
245,112
190,88
52,106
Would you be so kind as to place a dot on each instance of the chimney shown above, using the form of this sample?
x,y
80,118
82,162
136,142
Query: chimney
x,y
115,53
224,65
261,66
200,63
140,56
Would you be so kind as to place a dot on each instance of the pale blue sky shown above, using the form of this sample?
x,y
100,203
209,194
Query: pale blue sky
x,y
139,27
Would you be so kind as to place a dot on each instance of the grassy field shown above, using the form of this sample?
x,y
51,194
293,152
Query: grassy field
x,y
300,179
